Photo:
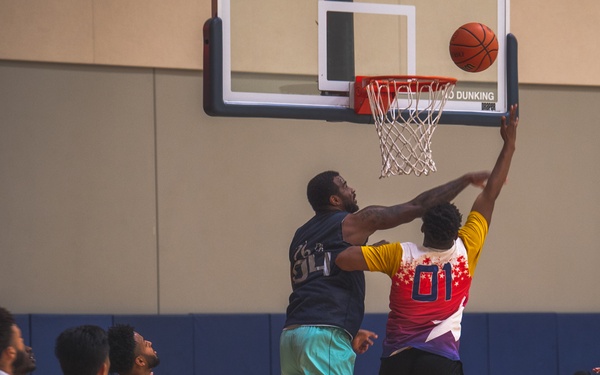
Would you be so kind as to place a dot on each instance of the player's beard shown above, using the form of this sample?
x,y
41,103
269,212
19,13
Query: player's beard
x,y
19,360
152,360
350,205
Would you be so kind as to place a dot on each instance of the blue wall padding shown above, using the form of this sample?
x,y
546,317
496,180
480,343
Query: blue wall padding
x,y
578,342
224,344
276,323
523,344
474,343
227,344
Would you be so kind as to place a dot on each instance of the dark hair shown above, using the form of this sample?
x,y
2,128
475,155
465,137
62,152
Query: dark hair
x,y
122,348
320,188
441,223
6,329
82,350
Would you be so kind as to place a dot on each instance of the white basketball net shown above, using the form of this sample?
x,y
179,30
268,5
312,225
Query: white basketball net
x,y
406,111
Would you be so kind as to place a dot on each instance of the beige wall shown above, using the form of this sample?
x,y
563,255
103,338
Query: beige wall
x,y
152,33
120,195
554,35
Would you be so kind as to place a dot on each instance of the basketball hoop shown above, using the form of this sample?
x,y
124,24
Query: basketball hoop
x,y
406,110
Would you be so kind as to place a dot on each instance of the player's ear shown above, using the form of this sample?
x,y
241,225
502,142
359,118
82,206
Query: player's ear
x,y
140,361
334,200
105,367
10,352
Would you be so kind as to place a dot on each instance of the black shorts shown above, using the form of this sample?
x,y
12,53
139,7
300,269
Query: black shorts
x,y
419,362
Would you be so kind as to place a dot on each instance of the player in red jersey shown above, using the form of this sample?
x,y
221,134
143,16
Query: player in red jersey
x,y
430,282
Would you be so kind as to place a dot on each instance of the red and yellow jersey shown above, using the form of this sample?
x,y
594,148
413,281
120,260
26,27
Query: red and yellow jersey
x,y
430,289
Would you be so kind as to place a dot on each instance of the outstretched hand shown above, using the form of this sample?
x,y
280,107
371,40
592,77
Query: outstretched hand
x,y
363,341
509,130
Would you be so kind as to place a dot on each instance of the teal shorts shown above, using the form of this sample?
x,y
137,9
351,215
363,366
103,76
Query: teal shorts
x,y
316,350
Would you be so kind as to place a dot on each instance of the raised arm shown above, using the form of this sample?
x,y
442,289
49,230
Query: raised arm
x,y
484,203
358,227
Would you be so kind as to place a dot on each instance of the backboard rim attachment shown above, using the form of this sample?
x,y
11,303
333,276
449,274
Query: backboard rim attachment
x,y
404,83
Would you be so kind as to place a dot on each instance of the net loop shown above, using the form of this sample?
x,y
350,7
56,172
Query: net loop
x,y
406,111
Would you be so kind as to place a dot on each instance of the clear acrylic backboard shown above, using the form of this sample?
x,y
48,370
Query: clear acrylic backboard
x,y
288,59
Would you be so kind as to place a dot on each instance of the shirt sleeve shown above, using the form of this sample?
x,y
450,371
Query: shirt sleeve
x,y
385,258
473,235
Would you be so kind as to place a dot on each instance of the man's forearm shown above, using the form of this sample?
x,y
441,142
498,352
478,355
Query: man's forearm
x,y
359,226
380,217
500,171
443,193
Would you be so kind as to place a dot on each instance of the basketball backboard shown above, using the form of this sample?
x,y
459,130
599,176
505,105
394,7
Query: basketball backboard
x,y
290,59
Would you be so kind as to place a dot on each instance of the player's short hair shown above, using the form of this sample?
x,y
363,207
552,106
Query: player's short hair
x,y
442,222
82,350
6,329
122,348
320,188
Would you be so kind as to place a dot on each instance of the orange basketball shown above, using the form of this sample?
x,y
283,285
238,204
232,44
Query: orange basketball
x,y
473,47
